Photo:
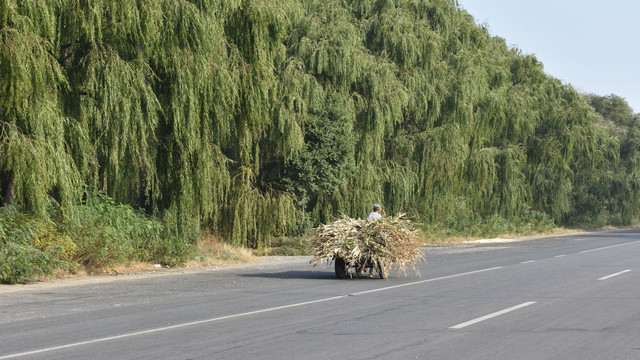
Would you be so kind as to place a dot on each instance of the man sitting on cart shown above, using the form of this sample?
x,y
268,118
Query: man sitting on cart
x,y
375,214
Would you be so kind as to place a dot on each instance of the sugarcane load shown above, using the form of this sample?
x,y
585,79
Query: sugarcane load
x,y
376,245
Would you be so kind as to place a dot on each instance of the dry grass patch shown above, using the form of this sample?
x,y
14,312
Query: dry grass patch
x,y
211,251
208,252
439,239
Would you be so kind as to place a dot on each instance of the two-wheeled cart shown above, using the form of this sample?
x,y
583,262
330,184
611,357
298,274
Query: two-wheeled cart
x,y
344,269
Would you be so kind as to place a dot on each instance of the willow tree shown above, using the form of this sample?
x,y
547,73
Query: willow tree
x,y
613,190
36,162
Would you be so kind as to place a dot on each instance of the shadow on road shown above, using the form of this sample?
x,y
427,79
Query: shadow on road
x,y
292,275
307,275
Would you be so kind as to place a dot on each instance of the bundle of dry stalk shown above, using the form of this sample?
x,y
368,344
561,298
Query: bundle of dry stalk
x,y
386,244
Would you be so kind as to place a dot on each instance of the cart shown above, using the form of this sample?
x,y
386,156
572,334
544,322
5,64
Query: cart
x,y
343,270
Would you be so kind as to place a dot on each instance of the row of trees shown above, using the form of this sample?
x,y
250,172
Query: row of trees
x,y
257,118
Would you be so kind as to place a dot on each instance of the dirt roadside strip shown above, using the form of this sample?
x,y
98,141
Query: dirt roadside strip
x,y
263,262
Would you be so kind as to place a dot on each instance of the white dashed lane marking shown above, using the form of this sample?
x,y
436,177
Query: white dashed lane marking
x,y
495,314
612,275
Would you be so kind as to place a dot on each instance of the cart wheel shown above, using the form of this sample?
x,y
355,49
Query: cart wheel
x,y
341,268
381,271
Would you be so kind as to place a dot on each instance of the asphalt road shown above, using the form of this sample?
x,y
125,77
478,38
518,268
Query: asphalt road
x,y
565,297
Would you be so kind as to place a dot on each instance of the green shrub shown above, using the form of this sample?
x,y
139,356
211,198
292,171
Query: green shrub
x,y
101,234
20,260
530,222
536,222
49,238
109,234
495,225
291,245
22,263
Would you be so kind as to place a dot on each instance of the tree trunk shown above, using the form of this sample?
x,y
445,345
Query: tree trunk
x,y
6,188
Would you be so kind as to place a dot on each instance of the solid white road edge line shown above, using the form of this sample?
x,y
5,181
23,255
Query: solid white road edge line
x,y
502,312
616,274
165,328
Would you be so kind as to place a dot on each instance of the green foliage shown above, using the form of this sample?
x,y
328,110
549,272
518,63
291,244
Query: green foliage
x,y
613,188
327,162
258,216
108,234
20,264
475,226
23,255
612,107
101,234
291,245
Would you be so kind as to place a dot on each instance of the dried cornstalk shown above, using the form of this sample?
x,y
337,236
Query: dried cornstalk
x,y
390,243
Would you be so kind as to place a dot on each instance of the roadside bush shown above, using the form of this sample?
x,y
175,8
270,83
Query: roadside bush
x,y
164,248
23,254
291,245
536,222
20,264
108,234
531,222
494,226
49,238
101,234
